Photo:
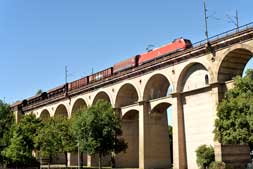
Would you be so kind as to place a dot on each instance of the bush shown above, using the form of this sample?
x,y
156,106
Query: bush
x,y
217,165
205,156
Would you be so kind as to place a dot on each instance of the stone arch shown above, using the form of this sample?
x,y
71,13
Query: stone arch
x,y
102,95
156,87
161,108
130,128
233,62
193,76
160,145
195,105
130,115
61,111
126,95
78,104
44,115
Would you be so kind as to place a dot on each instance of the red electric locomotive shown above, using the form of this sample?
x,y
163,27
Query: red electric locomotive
x,y
176,45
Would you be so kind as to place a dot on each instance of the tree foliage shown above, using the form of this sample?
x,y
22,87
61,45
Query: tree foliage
x,y
55,137
6,122
39,91
65,136
22,143
205,156
218,165
98,130
170,130
234,124
6,126
170,133
46,140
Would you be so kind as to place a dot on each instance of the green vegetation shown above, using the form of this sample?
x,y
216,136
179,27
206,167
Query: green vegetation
x,y
22,143
66,137
170,130
6,123
234,124
98,130
55,137
39,92
218,165
205,156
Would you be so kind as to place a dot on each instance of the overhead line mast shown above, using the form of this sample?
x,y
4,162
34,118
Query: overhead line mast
x,y
66,74
206,18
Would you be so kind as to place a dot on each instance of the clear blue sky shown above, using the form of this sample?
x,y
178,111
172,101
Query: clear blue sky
x,y
39,37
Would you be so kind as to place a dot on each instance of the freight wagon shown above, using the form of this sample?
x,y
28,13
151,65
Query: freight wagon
x,y
78,83
57,91
126,64
101,75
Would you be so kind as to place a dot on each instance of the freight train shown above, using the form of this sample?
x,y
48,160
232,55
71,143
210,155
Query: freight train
x,y
135,61
175,46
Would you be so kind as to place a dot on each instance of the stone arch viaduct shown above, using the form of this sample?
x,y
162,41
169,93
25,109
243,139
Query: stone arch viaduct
x,y
192,82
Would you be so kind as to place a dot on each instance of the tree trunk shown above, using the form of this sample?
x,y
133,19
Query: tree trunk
x,y
50,160
81,160
99,161
113,163
66,159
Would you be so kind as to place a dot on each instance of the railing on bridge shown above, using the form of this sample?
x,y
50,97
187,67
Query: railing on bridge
x,y
224,34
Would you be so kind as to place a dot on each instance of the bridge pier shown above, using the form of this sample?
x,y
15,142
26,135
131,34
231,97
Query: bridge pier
x,y
130,128
92,160
73,159
153,139
179,149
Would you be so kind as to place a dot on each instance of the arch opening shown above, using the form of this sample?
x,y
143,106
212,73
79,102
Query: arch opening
x,y
161,136
130,128
44,115
249,65
193,77
126,96
101,96
234,64
157,86
79,104
61,111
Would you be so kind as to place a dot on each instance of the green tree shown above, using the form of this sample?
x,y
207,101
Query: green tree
x,y
6,126
55,137
234,124
39,92
23,143
218,165
47,140
66,137
98,130
205,156
170,130
75,132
